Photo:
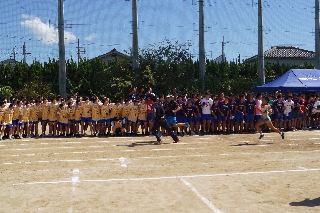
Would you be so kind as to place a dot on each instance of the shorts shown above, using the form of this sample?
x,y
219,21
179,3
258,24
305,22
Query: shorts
x,y
258,117
15,122
150,117
277,116
288,117
76,121
141,121
231,118
86,119
180,119
239,117
23,123
118,131
301,115
198,119
265,119
9,126
189,120
62,124
34,122
249,118
45,121
171,120
206,117
102,121
214,120
295,114
222,118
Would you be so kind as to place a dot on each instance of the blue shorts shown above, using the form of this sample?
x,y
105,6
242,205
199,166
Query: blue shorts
x,y
180,119
86,119
102,121
265,119
15,122
301,115
9,126
239,117
214,120
288,117
62,124
249,118
198,119
45,121
171,120
23,123
76,121
34,122
221,118
206,117
258,117
189,120
150,117
277,116
141,121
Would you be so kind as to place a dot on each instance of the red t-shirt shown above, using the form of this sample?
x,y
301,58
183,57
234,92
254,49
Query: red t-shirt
x,y
149,106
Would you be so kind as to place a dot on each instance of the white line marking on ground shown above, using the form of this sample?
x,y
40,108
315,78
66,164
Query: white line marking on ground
x,y
123,162
205,200
75,177
176,177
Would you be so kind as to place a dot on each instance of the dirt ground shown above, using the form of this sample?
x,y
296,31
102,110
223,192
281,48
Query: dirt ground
x,y
215,173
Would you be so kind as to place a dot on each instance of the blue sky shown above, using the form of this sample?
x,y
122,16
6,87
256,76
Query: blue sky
x,y
102,25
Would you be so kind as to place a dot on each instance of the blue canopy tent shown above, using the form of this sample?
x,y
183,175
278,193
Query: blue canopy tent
x,y
294,80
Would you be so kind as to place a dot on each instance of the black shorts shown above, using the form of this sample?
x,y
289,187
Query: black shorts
x,y
118,131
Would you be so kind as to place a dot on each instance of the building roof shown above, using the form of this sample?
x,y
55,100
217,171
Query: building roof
x,y
8,61
286,52
113,53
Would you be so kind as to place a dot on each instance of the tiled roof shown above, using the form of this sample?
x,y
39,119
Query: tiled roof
x,y
288,52
113,53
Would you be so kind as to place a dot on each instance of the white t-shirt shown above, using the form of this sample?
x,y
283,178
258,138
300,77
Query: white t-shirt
x,y
316,107
206,105
288,106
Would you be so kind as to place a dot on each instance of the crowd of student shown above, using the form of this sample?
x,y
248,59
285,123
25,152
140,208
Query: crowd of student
x,y
186,114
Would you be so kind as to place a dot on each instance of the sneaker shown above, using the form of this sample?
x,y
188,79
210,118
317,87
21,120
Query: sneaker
x,y
176,141
192,133
158,143
282,135
151,135
261,136
187,124
43,135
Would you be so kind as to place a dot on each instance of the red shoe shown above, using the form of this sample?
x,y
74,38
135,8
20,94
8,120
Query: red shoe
x,y
158,143
176,141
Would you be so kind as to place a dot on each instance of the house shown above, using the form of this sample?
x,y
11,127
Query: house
x,y
9,61
112,56
286,55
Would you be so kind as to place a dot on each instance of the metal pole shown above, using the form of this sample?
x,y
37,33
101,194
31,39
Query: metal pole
x,y
201,46
78,51
62,51
261,72
135,63
317,36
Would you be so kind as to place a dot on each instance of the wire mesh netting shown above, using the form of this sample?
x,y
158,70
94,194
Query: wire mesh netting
x,y
102,25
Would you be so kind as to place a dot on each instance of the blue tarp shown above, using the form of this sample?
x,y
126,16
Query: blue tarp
x,y
294,80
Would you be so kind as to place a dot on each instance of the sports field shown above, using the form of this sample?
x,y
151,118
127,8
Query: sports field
x,y
214,173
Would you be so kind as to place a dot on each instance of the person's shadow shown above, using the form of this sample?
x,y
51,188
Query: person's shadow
x,y
307,202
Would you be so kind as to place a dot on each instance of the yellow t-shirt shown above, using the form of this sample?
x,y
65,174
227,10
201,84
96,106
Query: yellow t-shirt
x,y
95,109
25,114
53,108
78,113
8,116
71,113
17,112
2,111
126,110
62,116
133,115
35,112
45,111
87,110
105,111
142,112
116,112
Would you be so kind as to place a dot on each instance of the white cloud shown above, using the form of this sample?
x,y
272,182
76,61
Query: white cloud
x,y
91,37
44,32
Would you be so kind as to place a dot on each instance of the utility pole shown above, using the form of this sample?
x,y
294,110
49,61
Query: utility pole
x,y
317,35
135,44
80,51
261,71
24,52
135,62
14,53
62,51
223,54
201,46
